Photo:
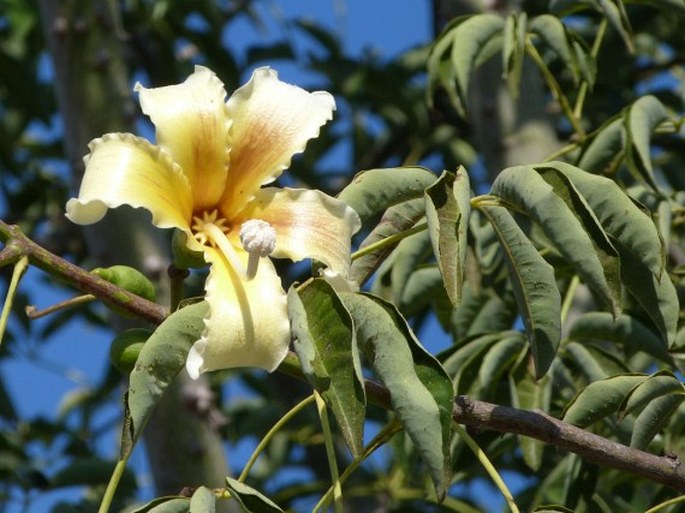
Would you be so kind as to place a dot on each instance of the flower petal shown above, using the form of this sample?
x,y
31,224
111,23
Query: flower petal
x,y
272,121
192,125
308,224
123,169
248,321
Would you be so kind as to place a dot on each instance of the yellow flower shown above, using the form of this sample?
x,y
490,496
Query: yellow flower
x,y
205,176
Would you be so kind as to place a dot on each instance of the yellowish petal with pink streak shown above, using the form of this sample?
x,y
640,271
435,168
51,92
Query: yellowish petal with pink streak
x,y
248,322
192,124
308,224
272,121
123,169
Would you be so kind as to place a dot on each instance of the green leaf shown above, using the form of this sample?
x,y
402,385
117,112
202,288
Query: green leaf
x,y
420,391
465,363
473,42
526,190
655,415
375,190
657,297
473,39
599,399
171,504
203,501
129,279
530,394
640,121
604,149
448,207
395,271
620,216
552,33
513,44
250,500
586,361
605,251
627,330
424,287
615,13
326,347
659,384
395,220
535,288
498,359
160,360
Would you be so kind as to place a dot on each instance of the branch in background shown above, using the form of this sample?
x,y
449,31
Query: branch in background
x,y
19,244
479,415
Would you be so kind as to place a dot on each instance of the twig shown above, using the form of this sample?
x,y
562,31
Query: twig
x,y
80,279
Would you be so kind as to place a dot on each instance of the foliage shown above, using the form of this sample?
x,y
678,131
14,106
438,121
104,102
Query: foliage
x,y
558,285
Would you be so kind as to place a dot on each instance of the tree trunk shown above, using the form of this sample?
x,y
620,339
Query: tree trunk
x,y
93,93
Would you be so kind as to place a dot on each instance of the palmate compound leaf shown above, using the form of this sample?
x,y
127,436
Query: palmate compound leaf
x,y
420,391
250,500
569,226
636,239
601,398
326,346
160,360
535,288
448,207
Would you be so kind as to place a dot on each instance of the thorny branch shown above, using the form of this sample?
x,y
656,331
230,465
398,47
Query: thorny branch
x,y
480,415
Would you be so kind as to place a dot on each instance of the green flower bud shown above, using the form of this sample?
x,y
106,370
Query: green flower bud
x,y
126,347
129,279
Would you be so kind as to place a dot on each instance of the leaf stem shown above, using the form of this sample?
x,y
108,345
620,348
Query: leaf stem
x,y
330,452
383,436
555,89
388,241
33,313
112,485
488,466
19,269
275,428
568,297
582,90
666,504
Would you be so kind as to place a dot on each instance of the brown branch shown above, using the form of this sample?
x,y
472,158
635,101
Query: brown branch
x,y
484,416
78,278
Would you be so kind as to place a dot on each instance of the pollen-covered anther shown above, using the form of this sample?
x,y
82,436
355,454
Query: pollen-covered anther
x,y
259,240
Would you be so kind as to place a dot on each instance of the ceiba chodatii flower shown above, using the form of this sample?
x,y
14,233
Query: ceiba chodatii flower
x,y
205,176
